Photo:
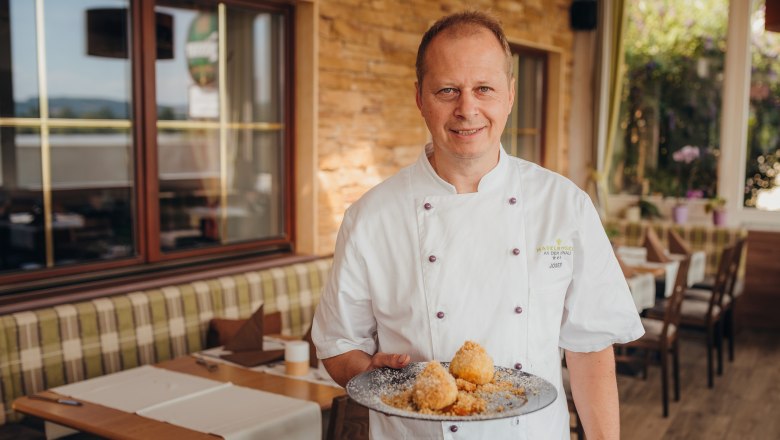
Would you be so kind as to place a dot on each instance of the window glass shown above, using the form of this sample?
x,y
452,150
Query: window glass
x,y
668,138
523,134
74,167
762,170
220,145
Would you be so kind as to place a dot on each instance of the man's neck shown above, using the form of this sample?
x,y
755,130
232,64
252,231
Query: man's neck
x,y
463,174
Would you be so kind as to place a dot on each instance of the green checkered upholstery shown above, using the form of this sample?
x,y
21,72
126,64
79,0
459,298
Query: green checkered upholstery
x,y
48,347
709,239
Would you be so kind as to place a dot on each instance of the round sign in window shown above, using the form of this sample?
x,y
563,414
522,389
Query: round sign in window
x,y
202,49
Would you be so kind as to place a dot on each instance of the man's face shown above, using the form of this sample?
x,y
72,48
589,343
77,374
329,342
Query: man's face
x,y
466,95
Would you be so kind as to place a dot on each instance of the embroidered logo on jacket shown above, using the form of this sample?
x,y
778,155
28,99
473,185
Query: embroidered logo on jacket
x,y
555,253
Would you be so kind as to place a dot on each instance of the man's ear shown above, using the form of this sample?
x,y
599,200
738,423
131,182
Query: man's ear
x,y
417,95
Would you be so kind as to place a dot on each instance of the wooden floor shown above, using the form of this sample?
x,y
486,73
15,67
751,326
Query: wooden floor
x,y
745,403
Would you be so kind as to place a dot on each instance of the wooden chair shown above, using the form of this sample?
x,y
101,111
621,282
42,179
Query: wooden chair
x,y
348,420
703,292
707,314
661,337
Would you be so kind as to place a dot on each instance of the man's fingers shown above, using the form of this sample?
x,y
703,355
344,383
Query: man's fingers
x,y
390,360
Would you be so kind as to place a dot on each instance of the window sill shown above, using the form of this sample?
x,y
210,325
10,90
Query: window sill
x,y
28,296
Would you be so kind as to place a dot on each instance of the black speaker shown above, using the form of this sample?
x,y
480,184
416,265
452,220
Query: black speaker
x,y
584,15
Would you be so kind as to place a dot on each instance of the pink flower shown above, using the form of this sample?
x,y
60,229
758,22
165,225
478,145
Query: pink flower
x,y
686,154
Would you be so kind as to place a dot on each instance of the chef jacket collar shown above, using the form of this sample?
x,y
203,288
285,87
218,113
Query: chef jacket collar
x,y
494,179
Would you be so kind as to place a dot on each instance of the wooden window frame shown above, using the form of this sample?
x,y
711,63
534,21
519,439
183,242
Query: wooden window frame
x,y
150,263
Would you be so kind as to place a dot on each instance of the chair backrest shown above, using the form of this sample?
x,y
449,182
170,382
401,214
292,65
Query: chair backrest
x,y
736,261
674,303
723,278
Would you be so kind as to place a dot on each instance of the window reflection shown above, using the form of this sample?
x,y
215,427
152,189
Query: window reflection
x,y
220,144
66,186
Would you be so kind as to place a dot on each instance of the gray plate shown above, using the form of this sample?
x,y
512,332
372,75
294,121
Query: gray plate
x,y
368,388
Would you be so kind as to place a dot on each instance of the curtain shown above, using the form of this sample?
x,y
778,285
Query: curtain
x,y
608,101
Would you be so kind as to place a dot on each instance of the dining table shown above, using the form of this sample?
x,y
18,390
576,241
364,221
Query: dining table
x,y
110,422
664,272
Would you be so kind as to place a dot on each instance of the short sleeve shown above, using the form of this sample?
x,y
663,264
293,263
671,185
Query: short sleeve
x,y
598,309
344,320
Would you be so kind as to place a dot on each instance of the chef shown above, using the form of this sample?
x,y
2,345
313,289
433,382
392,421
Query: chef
x,y
469,243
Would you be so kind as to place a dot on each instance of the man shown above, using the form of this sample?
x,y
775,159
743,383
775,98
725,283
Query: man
x,y
471,244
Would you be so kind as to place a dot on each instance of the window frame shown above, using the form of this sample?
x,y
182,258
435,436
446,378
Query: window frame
x,y
149,257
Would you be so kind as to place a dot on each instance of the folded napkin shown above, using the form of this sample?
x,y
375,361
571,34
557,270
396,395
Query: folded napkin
x,y
655,250
247,344
222,330
678,245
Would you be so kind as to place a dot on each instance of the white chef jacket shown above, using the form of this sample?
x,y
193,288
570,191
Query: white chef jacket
x,y
522,266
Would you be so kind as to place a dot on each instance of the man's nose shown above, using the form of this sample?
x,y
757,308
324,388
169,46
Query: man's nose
x,y
468,106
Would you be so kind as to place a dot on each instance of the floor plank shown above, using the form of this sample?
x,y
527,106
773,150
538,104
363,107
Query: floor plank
x,y
744,403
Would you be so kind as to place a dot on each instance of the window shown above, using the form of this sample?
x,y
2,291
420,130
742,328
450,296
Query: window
x,y
122,148
741,155
762,167
668,140
524,133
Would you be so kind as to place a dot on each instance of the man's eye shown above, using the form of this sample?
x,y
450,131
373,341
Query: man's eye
x,y
484,89
448,91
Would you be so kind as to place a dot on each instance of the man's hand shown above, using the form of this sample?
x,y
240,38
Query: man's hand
x,y
345,366
594,388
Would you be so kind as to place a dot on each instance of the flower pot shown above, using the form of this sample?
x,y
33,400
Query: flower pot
x,y
719,217
680,214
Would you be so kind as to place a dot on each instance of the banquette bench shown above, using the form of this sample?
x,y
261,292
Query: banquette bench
x,y
55,345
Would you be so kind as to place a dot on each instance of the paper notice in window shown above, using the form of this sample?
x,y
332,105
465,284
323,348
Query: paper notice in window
x,y
204,102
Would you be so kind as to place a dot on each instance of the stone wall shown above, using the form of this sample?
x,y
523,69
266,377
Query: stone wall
x,y
369,125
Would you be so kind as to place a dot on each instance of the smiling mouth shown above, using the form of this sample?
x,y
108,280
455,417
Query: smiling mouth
x,y
467,132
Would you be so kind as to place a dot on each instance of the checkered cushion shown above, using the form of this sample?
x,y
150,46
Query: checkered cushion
x,y
53,346
709,239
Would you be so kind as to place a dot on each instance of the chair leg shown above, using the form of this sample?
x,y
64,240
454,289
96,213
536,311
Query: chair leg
x,y
676,369
664,382
730,323
719,346
645,364
710,337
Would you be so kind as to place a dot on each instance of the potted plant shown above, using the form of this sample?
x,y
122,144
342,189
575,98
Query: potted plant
x,y
686,159
717,206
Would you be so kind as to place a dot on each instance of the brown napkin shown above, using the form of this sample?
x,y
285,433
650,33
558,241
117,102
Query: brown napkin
x,y
247,344
222,330
678,245
655,250
628,272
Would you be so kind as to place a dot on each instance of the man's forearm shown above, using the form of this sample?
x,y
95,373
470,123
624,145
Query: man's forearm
x,y
594,388
345,366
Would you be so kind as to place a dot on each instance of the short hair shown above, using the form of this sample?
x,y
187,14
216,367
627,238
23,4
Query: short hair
x,y
462,21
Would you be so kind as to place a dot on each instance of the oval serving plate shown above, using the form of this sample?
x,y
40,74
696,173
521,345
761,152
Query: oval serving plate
x,y
368,389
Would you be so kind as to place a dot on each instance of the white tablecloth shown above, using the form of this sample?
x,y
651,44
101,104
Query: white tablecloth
x,y
637,256
224,409
642,288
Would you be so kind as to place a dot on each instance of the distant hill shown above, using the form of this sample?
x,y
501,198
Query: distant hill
x,y
76,108
88,108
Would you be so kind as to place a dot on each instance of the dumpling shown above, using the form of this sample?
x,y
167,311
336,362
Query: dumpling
x,y
472,363
434,388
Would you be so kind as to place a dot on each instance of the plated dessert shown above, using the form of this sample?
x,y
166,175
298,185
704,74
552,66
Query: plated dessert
x,y
465,389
